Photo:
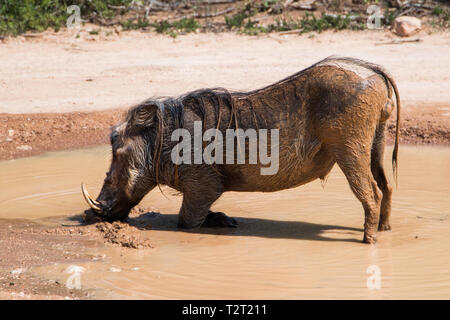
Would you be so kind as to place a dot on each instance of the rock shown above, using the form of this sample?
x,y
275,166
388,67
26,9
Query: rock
x,y
24,148
17,271
308,5
406,26
10,132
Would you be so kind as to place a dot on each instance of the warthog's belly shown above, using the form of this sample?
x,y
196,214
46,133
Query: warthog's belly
x,y
294,170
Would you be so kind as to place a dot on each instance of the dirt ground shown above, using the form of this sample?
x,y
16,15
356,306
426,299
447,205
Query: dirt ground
x,y
34,133
26,245
60,91
63,91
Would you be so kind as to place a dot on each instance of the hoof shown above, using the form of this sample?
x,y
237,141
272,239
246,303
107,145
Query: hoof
x,y
219,219
384,227
369,239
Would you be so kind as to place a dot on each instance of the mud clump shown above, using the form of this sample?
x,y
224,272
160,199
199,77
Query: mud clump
x,y
123,234
128,234
89,216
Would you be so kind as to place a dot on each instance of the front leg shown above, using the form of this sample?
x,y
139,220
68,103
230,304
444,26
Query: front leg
x,y
193,211
219,219
200,187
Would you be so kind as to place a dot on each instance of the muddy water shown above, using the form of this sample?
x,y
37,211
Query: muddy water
x,y
300,243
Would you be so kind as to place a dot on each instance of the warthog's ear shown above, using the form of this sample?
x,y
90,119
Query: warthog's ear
x,y
145,114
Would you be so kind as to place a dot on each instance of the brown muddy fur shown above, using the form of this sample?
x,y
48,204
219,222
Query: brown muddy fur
x,y
332,112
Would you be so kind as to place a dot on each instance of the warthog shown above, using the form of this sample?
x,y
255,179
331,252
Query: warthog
x,y
332,112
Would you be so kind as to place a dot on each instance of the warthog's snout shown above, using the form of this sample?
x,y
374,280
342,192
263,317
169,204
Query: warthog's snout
x,y
96,206
107,208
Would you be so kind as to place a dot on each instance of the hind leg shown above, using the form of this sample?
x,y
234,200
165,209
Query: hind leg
x,y
380,177
354,161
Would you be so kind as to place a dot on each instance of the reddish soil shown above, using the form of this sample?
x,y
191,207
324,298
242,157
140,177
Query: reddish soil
x,y
30,134
26,245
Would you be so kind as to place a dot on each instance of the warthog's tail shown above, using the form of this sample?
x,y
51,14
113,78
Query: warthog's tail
x,y
389,81
397,128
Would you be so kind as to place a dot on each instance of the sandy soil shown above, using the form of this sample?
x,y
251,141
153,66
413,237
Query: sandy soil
x,y
26,245
62,73
58,91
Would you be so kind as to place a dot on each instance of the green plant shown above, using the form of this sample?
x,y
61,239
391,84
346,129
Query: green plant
x,y
337,22
139,24
173,28
307,23
389,16
282,25
441,17
161,26
235,21
437,11
267,4
252,28
19,16
186,25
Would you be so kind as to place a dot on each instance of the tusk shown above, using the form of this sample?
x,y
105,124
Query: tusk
x,y
95,205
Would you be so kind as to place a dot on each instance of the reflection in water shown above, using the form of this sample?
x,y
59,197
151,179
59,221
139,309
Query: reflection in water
x,y
298,243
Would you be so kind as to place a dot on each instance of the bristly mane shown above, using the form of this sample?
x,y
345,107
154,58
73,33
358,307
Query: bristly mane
x,y
172,110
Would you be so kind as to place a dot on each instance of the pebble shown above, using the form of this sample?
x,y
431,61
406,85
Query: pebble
x,y
24,148
17,271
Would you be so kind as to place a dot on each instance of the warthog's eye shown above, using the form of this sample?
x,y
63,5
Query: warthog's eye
x,y
113,138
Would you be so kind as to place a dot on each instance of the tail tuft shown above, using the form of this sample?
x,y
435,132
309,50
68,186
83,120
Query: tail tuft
x,y
395,164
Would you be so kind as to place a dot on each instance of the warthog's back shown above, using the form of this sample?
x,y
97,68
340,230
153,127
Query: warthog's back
x,y
311,110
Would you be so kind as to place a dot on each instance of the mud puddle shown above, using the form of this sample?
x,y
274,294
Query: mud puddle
x,y
300,243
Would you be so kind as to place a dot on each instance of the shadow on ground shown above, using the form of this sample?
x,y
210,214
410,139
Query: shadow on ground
x,y
253,227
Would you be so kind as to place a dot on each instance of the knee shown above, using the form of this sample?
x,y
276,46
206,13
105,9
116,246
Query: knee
x,y
388,189
190,222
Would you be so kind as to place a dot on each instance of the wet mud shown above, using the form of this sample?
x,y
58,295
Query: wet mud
x,y
297,243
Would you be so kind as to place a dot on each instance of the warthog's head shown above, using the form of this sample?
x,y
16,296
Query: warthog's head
x,y
135,150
